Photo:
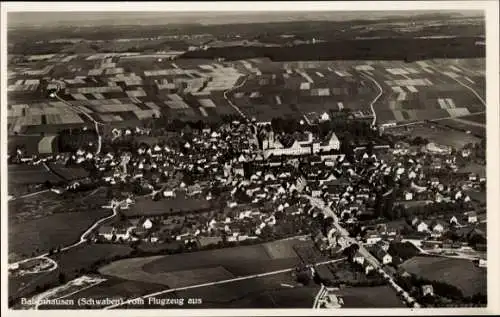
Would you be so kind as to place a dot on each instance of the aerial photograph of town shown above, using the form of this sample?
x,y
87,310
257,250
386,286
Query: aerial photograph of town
x,y
166,160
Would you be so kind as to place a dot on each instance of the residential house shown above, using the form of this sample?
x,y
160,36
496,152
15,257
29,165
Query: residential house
x,y
427,290
358,258
482,263
381,255
472,217
367,267
422,226
147,224
169,193
437,227
454,221
408,195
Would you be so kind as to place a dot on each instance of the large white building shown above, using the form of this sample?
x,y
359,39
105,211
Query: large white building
x,y
308,146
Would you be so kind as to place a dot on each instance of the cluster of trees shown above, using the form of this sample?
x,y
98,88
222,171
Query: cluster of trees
x,y
418,141
413,284
425,211
404,250
408,49
70,140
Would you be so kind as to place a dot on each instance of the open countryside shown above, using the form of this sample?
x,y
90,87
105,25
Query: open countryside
x,y
322,162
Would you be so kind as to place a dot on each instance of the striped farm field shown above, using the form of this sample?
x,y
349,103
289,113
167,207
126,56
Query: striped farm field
x,y
207,266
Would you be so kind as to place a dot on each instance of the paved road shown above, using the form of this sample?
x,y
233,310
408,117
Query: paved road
x,y
242,278
468,122
29,195
381,91
319,203
322,291
433,120
229,100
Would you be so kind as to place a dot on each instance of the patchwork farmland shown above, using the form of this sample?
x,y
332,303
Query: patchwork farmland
x,y
121,89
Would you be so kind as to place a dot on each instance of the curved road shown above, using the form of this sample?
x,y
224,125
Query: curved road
x,y
83,237
381,91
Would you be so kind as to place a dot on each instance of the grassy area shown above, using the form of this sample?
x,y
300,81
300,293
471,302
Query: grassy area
x,y
460,273
86,255
370,297
475,130
114,288
148,207
474,168
21,177
264,292
203,266
72,263
443,136
59,229
48,220
68,173
480,118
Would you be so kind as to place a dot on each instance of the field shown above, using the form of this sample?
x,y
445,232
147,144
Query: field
x,y
73,286
48,220
276,291
475,168
205,266
415,91
424,90
56,230
70,262
478,130
275,89
22,178
438,134
113,288
148,207
129,89
85,255
370,297
479,118
462,274
68,173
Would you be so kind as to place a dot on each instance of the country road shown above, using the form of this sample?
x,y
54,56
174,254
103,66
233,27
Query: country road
x,y
316,202
381,91
242,278
471,90
235,107
29,195
83,237
96,123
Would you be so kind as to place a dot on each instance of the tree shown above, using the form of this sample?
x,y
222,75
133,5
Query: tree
x,y
304,278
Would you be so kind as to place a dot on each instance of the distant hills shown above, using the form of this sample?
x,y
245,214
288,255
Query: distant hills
x,y
82,19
